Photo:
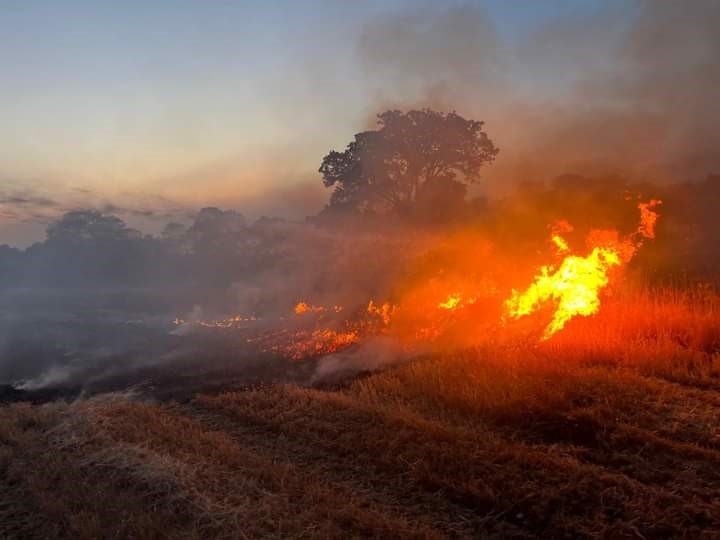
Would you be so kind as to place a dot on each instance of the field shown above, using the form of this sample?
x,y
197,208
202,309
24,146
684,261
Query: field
x,y
608,430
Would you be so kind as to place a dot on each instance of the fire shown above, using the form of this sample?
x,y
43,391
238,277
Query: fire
x,y
560,243
557,229
303,307
305,344
383,311
453,310
451,303
229,322
648,218
575,285
455,301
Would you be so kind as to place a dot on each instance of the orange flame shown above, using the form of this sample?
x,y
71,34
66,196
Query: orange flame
x,y
384,311
575,286
451,303
577,282
456,301
438,313
304,344
303,307
648,218
560,243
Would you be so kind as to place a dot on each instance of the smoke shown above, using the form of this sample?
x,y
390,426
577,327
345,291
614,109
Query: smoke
x,y
54,376
433,58
371,355
626,91
344,264
622,97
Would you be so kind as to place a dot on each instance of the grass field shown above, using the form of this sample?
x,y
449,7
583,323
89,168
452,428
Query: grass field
x,y
609,430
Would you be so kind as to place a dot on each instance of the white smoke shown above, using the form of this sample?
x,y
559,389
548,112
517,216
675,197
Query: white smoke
x,y
371,355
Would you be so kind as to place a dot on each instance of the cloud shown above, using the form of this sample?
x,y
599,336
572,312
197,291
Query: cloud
x,y
27,207
26,200
34,205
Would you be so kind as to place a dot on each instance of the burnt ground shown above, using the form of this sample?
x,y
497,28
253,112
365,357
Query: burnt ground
x,y
460,446
110,428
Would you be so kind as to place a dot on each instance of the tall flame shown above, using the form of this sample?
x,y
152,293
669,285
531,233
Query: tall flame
x,y
440,311
577,282
575,286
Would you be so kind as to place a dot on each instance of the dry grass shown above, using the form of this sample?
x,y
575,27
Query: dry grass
x,y
608,431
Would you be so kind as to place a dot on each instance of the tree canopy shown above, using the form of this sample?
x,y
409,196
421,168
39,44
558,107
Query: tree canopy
x,y
89,225
413,158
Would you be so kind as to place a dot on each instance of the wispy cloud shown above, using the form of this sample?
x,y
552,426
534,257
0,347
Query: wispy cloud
x,y
33,203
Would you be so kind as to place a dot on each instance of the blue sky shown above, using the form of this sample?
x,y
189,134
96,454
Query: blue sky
x,y
187,103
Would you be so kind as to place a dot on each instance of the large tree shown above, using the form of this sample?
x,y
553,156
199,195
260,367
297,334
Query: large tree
x,y
412,157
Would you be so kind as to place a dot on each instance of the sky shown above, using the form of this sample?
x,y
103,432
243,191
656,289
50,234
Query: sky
x,y
155,109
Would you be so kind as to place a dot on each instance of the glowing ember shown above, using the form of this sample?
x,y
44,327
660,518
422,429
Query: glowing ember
x,y
451,303
306,344
455,301
648,218
577,282
303,307
383,311
560,243
229,322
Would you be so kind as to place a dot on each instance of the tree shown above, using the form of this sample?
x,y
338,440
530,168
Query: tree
x,y
412,157
89,225
216,231
90,248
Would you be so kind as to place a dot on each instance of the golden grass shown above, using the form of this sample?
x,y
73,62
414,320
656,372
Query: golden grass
x,y
609,430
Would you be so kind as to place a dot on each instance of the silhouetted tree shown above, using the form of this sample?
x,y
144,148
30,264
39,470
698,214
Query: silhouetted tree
x,y
216,231
174,237
11,260
415,157
216,242
173,231
89,225
88,247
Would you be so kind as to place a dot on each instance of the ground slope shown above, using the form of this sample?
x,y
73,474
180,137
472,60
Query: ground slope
x,y
456,446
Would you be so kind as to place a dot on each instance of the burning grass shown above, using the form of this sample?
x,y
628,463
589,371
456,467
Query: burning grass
x,y
602,425
458,297
608,429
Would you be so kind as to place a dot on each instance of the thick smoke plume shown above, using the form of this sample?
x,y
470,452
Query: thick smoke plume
x,y
629,92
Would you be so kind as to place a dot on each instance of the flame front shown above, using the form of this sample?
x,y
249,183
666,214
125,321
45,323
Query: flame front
x,y
560,243
451,303
451,311
303,307
576,284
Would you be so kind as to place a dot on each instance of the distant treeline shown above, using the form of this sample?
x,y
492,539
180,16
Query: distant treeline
x,y
86,248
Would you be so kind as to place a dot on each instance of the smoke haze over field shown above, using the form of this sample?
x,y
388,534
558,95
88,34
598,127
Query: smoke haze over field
x,y
565,87
627,91
331,269
152,186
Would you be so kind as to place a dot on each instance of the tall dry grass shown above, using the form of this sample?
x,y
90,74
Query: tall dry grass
x,y
608,430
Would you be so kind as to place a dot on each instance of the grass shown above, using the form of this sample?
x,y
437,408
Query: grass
x,y
609,430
